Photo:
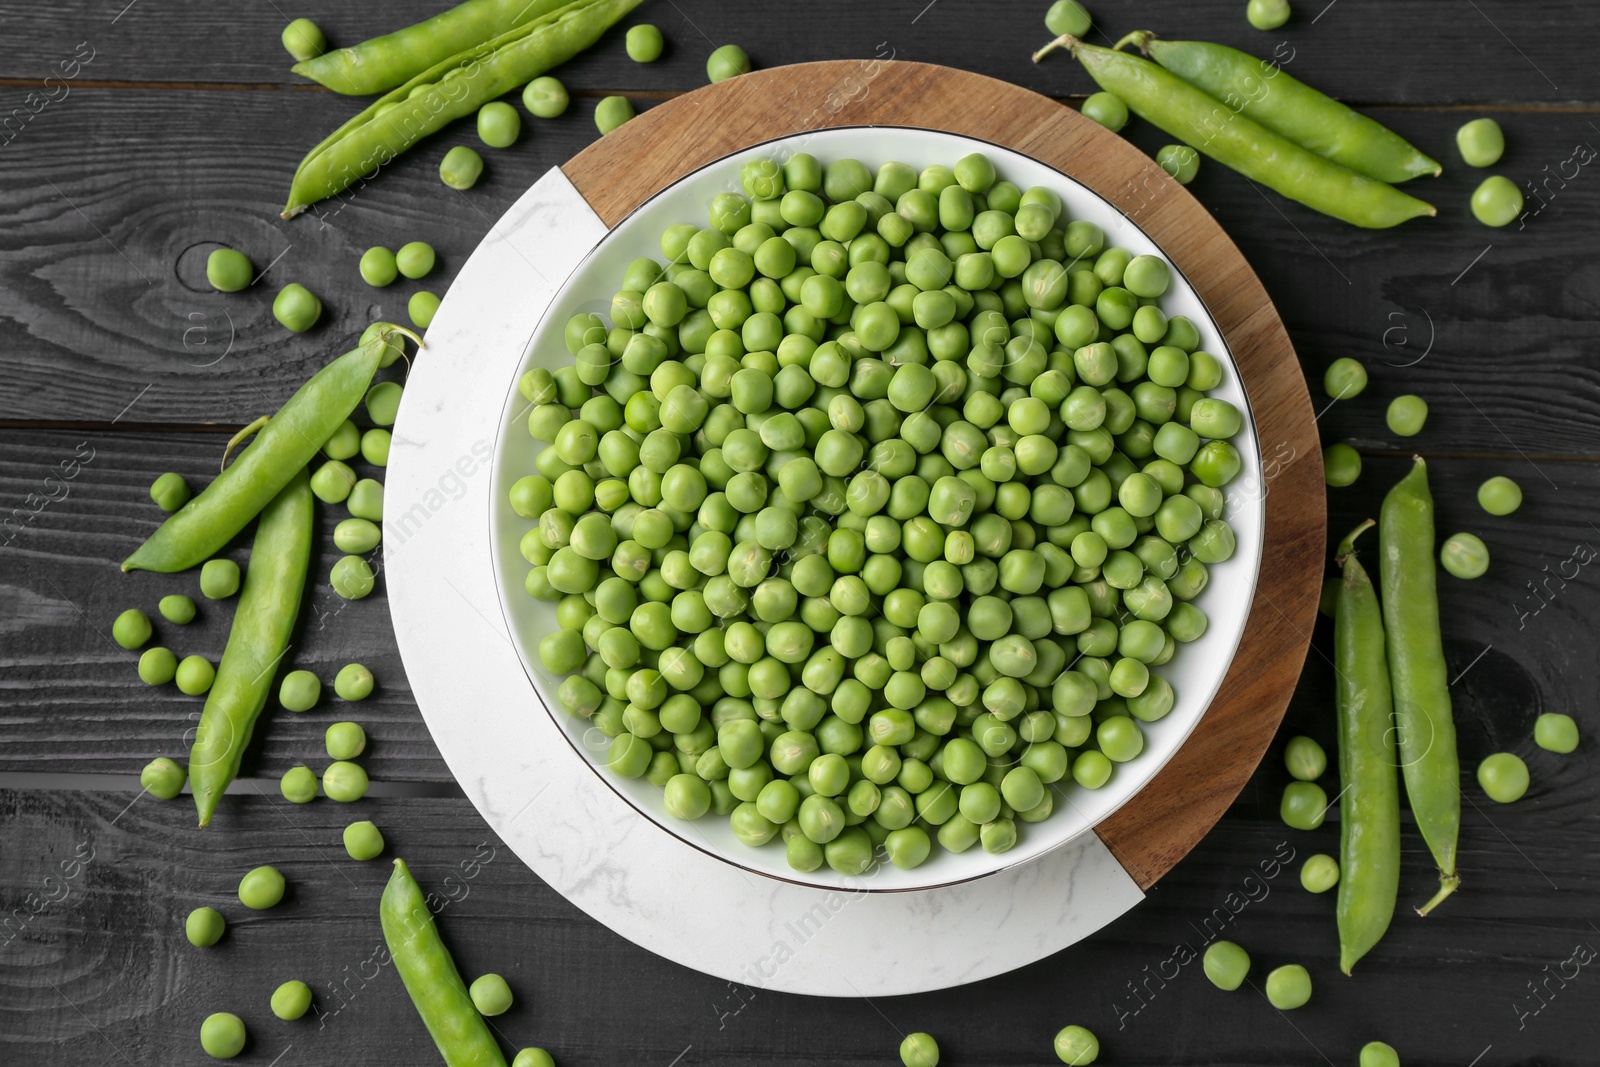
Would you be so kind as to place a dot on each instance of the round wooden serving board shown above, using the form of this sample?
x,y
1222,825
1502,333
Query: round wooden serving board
x,y
1154,830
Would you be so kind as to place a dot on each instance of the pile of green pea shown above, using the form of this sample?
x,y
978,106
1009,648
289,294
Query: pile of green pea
x,y
872,514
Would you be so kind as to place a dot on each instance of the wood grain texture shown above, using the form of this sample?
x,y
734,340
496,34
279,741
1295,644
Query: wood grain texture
x,y
1155,829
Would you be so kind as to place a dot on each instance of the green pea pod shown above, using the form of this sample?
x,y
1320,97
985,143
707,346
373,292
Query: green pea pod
x,y
430,976
284,445
1167,101
379,64
448,90
1285,105
1369,785
274,581
1417,671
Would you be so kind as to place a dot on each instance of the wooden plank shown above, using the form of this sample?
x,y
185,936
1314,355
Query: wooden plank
x,y
158,174
1360,50
106,939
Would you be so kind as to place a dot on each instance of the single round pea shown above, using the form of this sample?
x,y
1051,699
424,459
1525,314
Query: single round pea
x,y
177,608
1067,18
195,675
356,536
1106,109
1504,777
352,578
1464,555
345,740
170,492
363,841
490,994
919,1050
1226,965
222,1035
228,270
611,112
728,61
163,779
1319,873
219,579
1077,1046
644,43
1267,14
1304,805
1481,143
499,125
461,167
157,665
204,927
1344,378
298,785
291,1000
1379,1054
344,782
1406,415
1288,987
378,267
296,308
132,629
1180,161
1499,495
304,39
1497,201
1305,759
1148,277
299,691
538,1057
545,97
1341,464
415,259
353,682
1555,732
261,888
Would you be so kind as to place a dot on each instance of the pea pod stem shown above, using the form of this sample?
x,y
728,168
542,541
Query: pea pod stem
x,y
263,621
1235,140
245,431
1369,786
380,63
452,88
431,977
1417,671
285,444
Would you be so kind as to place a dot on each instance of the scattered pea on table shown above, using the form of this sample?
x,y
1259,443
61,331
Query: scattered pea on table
x,y
422,307
1341,464
1499,495
132,629
727,61
1503,777
1496,201
1267,14
357,537
344,781
490,994
644,43
352,578
363,841
346,440
611,112
177,608
379,267
1067,17
919,1050
304,39
499,125
415,259
1076,1046
1379,1054
331,483
204,927
1319,873
291,1000
366,500
1345,378
1107,110
1481,143
1555,732
461,167
298,785
219,579
157,665
545,97
353,682
162,778
383,402
194,675
1289,987
1406,415
1226,965
228,270
1464,555
345,740
170,492
296,308
299,691
222,1035
1305,759
1304,805
1180,161
261,888
533,1057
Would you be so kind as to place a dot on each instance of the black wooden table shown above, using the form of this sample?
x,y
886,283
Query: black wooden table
x,y
178,130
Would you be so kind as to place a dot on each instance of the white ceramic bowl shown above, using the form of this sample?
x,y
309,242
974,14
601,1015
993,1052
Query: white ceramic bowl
x,y
1195,672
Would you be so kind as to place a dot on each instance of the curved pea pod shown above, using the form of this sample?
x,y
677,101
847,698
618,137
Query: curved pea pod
x,y
450,89
430,975
287,441
379,64
263,621
1417,671
1235,140
1288,106
1369,784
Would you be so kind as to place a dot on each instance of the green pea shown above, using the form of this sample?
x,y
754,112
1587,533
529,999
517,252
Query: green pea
x,y
1344,379
204,927
228,270
261,888
1267,14
296,308
1226,965
222,1035
1341,464
1499,495
131,629
363,841
157,666
919,1050
345,740
378,267
1555,732
1406,415
352,578
353,682
1481,142
1304,805
298,785
1496,201
1305,759
538,1057
611,112
644,43
194,675
170,492
415,259
1076,1046
291,1000
1379,1054
177,608
162,778
1066,17
344,781
304,39
331,483
1503,777
1180,161
1288,987
499,125
1319,873
545,97
490,994
1464,555
1106,109
728,61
